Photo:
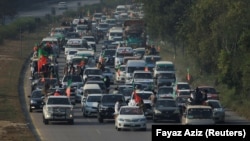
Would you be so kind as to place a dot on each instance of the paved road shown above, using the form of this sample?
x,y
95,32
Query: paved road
x,y
46,8
90,130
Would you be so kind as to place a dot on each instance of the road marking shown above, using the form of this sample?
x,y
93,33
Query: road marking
x,y
98,132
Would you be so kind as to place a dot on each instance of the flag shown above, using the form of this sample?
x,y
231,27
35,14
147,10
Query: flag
x,y
42,60
42,52
188,75
137,97
68,87
146,68
118,70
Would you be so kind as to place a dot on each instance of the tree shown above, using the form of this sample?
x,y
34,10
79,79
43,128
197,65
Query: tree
x,y
8,9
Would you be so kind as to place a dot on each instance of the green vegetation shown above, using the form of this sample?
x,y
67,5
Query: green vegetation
x,y
211,36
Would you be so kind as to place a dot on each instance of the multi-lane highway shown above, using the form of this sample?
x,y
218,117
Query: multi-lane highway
x,y
88,129
46,8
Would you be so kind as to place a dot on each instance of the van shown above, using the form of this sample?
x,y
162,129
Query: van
x,y
120,9
73,44
131,66
115,32
163,66
122,52
91,89
198,115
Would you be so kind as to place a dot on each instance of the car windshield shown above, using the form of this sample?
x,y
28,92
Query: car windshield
x,y
82,27
144,96
126,91
58,101
132,69
183,86
72,52
103,25
152,60
184,93
143,75
107,70
37,94
131,111
209,90
93,91
89,39
109,53
121,55
199,113
111,98
73,78
165,91
165,68
93,98
93,72
165,103
181,99
214,104
166,75
73,35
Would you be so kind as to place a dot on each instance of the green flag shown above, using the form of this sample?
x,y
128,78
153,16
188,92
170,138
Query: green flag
x,y
42,52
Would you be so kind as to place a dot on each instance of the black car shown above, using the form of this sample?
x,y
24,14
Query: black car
x,y
106,106
166,109
165,78
36,100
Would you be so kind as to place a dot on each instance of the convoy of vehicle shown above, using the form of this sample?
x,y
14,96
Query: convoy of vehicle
x,y
127,65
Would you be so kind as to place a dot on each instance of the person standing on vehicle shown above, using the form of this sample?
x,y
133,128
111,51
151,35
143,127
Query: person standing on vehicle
x,y
107,83
153,98
117,107
57,93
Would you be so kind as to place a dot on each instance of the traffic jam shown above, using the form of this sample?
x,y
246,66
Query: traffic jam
x,y
107,66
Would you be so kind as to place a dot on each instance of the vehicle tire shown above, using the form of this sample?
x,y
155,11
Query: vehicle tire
x,y
154,119
45,121
144,129
178,120
118,129
71,122
100,119
30,110
84,114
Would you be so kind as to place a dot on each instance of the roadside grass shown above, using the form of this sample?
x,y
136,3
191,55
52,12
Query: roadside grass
x,y
182,62
13,54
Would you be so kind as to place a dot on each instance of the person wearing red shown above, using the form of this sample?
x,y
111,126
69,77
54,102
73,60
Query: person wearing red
x,y
57,93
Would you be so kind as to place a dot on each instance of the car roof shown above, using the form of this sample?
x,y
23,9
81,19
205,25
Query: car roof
x,y
91,86
94,95
198,106
61,96
164,62
182,83
138,71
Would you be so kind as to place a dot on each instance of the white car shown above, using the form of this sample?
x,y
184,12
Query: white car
x,y
120,74
89,107
58,108
90,41
130,117
198,115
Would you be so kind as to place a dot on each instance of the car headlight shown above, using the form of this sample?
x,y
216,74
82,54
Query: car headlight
x,y
157,111
50,109
33,102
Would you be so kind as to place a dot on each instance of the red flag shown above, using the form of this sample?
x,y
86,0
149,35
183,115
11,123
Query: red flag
x,y
137,98
146,68
68,91
41,62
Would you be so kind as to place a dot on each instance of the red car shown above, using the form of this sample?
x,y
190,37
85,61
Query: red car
x,y
212,93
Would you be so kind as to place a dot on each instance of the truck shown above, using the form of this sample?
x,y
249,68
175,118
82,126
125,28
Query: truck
x,y
134,33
